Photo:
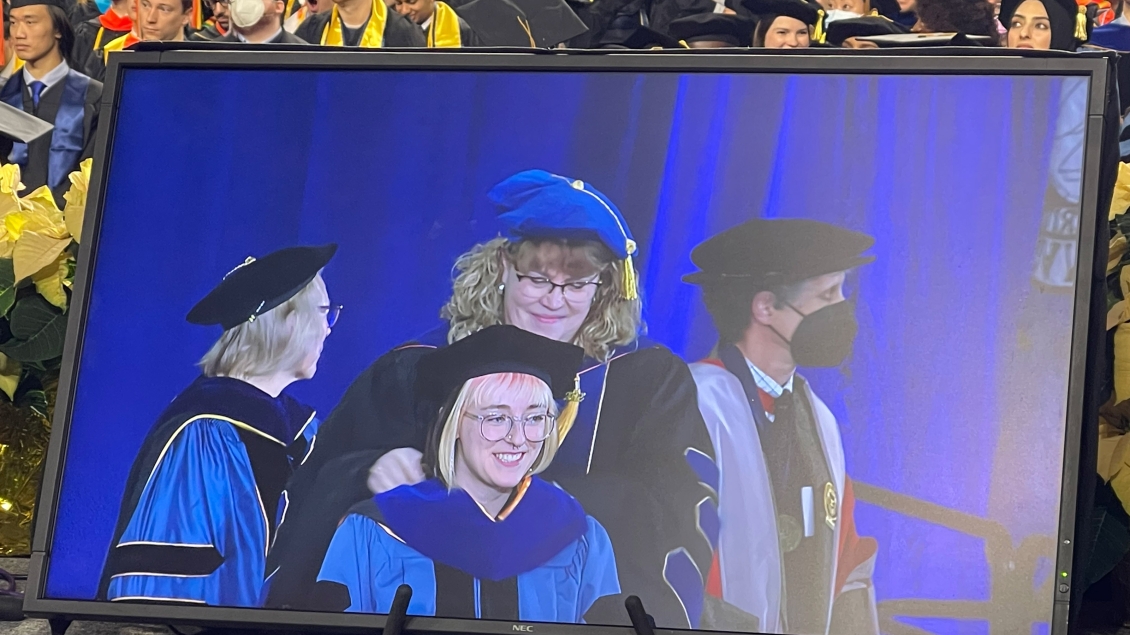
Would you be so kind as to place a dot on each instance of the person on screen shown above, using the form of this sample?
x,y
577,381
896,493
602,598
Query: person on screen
x,y
47,87
483,536
788,550
91,35
1060,25
442,26
258,22
785,24
713,30
205,496
361,23
563,270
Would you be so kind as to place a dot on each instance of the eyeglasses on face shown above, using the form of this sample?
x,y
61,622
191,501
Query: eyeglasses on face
x,y
333,312
496,426
537,286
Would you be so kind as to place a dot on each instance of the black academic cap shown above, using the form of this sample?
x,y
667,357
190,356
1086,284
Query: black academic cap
x,y
777,251
62,4
259,285
734,30
1071,23
17,125
915,40
497,23
551,21
497,349
639,37
840,30
806,12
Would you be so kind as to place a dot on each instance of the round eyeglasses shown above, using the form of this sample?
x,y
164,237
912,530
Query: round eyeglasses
x,y
333,312
497,426
537,286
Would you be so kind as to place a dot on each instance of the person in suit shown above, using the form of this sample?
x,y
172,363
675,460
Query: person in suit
x,y
258,22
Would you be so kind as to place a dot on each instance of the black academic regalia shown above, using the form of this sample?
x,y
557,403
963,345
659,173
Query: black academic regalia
x,y
81,12
639,486
207,34
282,38
90,37
225,449
400,32
34,168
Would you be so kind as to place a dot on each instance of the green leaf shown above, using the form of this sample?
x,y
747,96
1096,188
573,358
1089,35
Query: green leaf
x,y
38,331
7,285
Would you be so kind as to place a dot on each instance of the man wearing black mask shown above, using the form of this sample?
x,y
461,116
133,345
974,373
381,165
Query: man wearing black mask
x,y
788,552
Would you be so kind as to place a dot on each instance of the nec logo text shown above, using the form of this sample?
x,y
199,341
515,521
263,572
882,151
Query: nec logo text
x,y
522,628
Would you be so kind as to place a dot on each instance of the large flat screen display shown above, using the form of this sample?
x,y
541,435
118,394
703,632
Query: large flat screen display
x,y
826,323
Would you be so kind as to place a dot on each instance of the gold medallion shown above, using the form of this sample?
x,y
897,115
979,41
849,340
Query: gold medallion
x,y
789,531
831,506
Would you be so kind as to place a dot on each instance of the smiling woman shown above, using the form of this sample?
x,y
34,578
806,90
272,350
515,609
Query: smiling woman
x,y
525,550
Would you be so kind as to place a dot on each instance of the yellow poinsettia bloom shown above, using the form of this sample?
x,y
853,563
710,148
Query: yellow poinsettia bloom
x,y
76,199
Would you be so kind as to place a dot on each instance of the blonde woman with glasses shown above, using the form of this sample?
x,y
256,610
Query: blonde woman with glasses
x,y
562,269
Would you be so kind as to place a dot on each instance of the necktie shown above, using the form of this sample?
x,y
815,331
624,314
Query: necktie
x,y
36,91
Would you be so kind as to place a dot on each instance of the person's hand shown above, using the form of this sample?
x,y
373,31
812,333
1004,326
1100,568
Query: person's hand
x,y
397,467
853,43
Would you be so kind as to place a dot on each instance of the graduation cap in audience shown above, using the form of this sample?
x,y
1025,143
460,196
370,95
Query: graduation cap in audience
x,y
806,12
259,285
867,26
62,4
19,126
1071,22
640,38
551,21
915,40
501,348
497,23
718,29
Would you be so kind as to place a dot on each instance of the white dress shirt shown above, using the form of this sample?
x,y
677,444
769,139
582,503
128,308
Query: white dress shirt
x,y
769,385
52,77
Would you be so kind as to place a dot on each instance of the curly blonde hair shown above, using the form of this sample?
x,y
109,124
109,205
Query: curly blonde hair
x,y
476,299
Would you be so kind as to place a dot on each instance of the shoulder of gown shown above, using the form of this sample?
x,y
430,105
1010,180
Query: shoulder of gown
x,y
402,33
311,28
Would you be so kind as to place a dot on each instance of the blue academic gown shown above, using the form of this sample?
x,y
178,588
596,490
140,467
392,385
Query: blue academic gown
x,y
205,497
545,561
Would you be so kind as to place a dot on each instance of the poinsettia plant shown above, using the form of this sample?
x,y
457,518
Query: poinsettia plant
x,y
38,245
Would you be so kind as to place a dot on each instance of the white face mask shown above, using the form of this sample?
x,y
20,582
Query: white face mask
x,y
832,16
246,13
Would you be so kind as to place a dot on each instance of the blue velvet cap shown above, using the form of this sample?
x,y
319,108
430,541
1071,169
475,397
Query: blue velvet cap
x,y
537,204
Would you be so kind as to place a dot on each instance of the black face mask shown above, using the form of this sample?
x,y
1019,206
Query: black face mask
x,y
824,338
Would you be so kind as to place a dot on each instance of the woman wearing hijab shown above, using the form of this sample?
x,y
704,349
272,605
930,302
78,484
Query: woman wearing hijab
x,y
562,270
484,536
1060,25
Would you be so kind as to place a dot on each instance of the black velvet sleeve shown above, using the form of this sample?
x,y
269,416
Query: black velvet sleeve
x,y
311,28
91,108
402,33
640,486
377,413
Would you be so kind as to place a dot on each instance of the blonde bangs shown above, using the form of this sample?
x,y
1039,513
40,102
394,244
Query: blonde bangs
x,y
476,299
494,390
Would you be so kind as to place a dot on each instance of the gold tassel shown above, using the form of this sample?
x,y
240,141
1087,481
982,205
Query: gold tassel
x,y
683,43
818,33
1081,24
568,414
631,283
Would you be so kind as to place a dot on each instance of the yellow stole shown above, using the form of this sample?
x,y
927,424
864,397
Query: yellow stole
x,y
113,45
443,32
372,38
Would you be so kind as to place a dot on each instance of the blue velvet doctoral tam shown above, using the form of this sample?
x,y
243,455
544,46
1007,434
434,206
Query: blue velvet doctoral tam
x,y
546,561
205,497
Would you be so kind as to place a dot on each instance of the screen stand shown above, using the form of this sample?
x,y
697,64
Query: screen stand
x,y
642,623
59,625
398,612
